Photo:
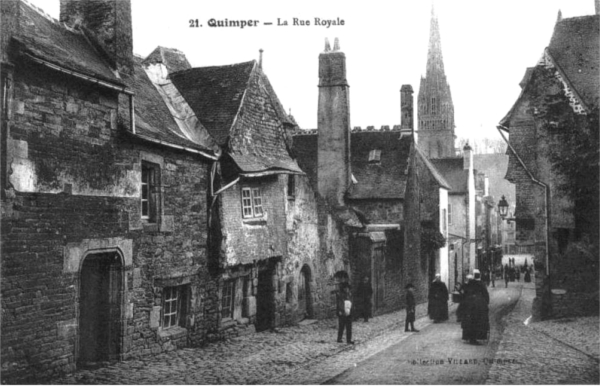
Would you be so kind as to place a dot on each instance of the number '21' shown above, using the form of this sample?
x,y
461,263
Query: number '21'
x,y
194,23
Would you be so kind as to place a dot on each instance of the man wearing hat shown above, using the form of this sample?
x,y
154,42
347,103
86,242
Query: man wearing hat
x,y
410,308
475,320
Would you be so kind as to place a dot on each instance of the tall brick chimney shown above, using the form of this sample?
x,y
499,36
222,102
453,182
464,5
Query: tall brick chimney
x,y
406,110
333,174
109,24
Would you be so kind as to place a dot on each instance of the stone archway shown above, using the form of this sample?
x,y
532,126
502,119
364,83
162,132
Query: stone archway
x,y
100,308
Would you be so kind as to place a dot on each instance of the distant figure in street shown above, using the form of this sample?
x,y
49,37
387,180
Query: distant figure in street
x,y
475,323
364,292
410,308
438,300
527,275
506,275
461,290
344,312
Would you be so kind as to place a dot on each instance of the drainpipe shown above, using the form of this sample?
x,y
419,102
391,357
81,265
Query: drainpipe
x,y
546,195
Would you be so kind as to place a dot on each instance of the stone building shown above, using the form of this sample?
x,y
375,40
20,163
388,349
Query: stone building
x,y
104,198
264,236
461,212
371,175
435,114
553,162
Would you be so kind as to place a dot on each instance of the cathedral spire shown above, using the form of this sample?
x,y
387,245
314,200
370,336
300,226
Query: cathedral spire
x,y
435,108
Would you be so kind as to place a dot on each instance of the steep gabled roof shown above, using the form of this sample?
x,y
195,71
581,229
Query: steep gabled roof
x,y
379,180
44,38
575,48
574,52
215,94
451,169
439,177
152,117
306,149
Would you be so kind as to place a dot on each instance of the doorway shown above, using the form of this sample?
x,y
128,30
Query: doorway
x,y
304,305
265,300
100,309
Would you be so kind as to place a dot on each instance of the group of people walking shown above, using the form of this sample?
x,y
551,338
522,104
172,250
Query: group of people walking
x,y
472,312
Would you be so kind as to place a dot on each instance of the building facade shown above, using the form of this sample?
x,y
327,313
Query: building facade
x,y
554,166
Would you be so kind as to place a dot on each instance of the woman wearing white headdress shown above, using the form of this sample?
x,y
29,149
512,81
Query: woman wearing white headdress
x,y
475,322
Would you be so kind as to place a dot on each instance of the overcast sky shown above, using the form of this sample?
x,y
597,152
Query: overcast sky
x,y
486,45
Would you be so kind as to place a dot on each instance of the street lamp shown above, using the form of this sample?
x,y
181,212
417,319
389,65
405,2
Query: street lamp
x,y
503,209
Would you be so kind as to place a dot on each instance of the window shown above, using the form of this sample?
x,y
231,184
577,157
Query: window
x,y
227,297
433,106
375,156
149,191
449,214
444,218
291,187
251,203
174,306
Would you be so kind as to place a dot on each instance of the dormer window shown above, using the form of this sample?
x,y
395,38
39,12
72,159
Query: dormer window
x,y
375,156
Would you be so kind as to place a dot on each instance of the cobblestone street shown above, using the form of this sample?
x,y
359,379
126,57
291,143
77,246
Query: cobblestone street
x,y
549,352
260,358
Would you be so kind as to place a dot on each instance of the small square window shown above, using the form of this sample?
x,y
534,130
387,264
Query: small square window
x,y
252,205
227,296
174,306
375,156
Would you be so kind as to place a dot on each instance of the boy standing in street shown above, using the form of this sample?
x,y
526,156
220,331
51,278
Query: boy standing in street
x,y
410,308
344,312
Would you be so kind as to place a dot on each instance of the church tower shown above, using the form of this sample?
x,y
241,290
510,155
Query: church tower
x,y
435,114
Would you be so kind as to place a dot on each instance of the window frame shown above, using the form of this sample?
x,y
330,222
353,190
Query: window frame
x,y
228,298
291,187
176,299
375,156
149,191
449,214
252,202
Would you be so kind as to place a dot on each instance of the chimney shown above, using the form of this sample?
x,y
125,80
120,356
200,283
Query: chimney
x,y
260,52
333,173
406,110
107,23
467,157
597,4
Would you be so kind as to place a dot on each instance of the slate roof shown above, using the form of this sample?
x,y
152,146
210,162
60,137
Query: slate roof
x,y
575,48
441,180
452,171
47,39
215,94
152,117
173,59
383,180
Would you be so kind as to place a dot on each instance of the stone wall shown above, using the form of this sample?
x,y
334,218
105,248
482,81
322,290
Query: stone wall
x,y
74,192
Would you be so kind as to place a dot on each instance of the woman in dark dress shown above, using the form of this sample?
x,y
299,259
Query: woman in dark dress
x,y
475,322
438,300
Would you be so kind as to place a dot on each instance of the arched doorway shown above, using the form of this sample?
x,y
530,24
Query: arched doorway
x,y
304,290
100,309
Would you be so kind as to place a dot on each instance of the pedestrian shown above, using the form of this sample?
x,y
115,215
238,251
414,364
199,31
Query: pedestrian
x,y
344,311
410,308
364,292
475,323
506,275
461,304
438,300
527,275
512,274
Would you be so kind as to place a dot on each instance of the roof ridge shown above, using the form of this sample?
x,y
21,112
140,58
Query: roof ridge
x,y
212,67
41,12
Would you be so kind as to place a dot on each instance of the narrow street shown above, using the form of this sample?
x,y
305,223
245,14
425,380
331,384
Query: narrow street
x,y
383,353
437,354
